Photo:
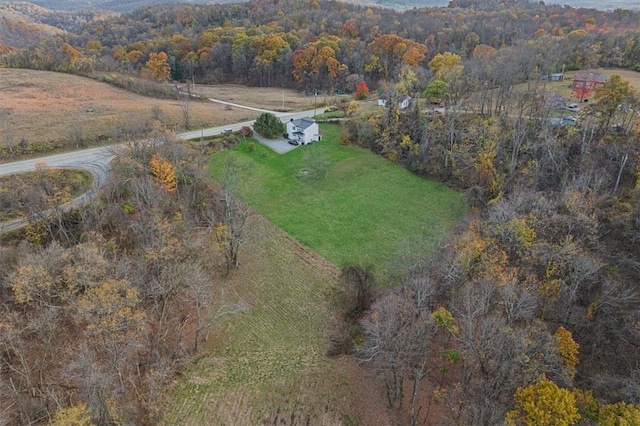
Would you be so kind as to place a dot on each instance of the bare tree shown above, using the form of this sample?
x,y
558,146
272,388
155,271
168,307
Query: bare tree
x,y
184,106
231,229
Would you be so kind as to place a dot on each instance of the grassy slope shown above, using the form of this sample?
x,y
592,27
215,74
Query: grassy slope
x,y
367,210
268,361
266,364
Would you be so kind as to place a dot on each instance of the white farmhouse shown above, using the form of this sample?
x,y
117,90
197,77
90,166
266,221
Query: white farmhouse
x,y
304,130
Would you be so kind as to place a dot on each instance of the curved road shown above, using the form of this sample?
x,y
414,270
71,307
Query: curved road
x,y
97,160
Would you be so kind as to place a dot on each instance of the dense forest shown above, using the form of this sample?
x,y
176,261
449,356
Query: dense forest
x,y
334,45
527,314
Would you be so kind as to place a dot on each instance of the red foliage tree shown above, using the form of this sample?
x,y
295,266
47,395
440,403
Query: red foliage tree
x,y
584,84
362,91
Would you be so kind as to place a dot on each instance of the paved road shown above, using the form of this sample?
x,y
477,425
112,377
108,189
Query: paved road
x,y
97,161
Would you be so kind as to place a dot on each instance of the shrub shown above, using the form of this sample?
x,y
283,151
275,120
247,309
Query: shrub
x,y
246,131
268,125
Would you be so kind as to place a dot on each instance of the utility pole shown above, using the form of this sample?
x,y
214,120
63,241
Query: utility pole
x,y
315,95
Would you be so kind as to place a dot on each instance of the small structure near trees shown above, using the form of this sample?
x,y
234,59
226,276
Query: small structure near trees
x,y
403,101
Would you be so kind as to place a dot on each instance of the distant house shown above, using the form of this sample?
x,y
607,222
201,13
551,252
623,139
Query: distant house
x,y
304,130
586,82
383,99
557,76
403,103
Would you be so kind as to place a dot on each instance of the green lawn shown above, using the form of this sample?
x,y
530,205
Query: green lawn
x,y
366,211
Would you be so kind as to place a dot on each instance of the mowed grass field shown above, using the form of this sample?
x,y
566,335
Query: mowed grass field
x,y
365,211
265,364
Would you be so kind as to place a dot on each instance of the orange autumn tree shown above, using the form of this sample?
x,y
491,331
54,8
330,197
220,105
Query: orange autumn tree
x,y
391,50
163,172
157,67
568,349
316,65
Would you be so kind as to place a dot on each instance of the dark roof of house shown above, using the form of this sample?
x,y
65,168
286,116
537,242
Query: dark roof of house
x,y
303,123
589,76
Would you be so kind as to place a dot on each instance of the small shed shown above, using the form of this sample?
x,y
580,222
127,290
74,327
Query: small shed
x,y
383,99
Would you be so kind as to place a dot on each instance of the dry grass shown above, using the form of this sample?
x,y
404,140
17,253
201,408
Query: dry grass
x,y
266,97
39,106
266,364
632,77
67,111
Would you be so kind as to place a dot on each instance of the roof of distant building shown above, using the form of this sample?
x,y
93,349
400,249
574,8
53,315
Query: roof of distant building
x,y
590,76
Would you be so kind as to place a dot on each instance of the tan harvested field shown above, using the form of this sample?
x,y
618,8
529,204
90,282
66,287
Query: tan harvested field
x,y
632,77
40,106
266,364
266,97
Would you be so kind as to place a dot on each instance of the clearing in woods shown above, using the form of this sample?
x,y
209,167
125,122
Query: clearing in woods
x,y
266,363
348,204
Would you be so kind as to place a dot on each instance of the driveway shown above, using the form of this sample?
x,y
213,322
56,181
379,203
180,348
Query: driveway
x,y
280,145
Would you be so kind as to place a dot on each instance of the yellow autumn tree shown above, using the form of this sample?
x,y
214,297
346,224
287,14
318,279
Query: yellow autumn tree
x,y
163,172
568,349
489,175
77,415
111,308
543,404
443,64
619,414
157,67
33,283
615,414
444,318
